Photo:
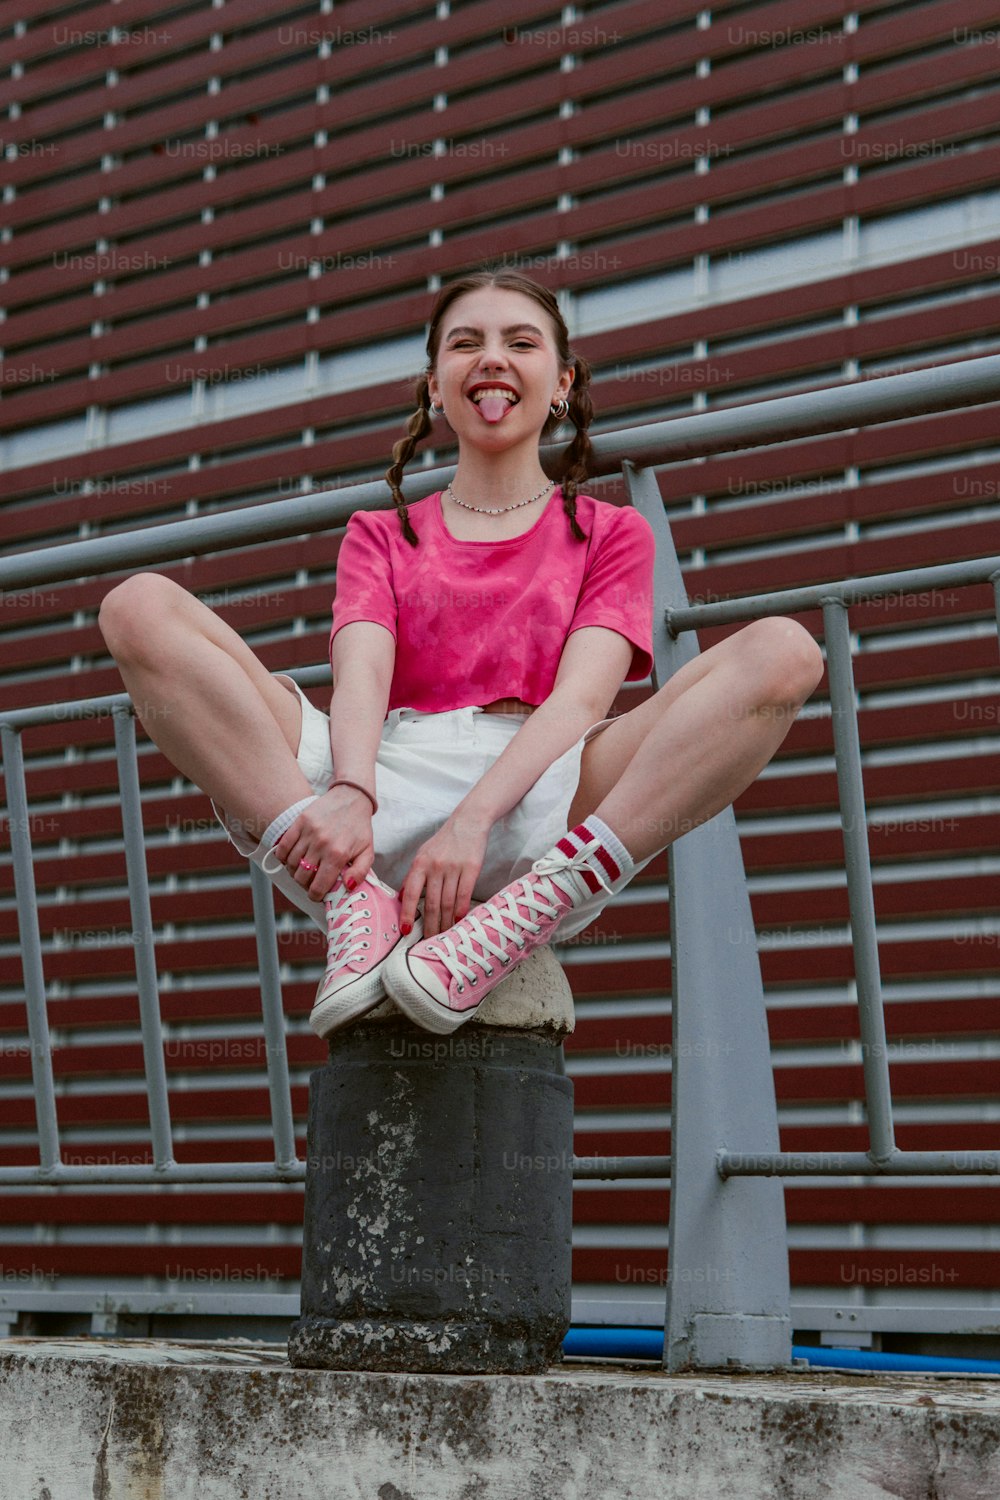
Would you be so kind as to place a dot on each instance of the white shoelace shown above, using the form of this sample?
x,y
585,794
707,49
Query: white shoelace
x,y
538,896
344,941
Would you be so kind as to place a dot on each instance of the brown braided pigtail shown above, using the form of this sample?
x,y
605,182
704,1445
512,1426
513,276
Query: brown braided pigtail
x,y
575,460
418,427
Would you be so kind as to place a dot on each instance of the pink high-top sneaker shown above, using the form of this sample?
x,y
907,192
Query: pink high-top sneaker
x,y
362,932
440,982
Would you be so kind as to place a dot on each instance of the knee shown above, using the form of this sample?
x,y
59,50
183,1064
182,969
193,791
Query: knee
x,y
786,660
132,613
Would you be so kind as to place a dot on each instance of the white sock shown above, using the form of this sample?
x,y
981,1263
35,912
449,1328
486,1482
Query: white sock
x,y
611,842
272,833
604,847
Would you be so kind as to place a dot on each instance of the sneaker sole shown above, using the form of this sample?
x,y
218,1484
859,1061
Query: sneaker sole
x,y
413,1000
356,999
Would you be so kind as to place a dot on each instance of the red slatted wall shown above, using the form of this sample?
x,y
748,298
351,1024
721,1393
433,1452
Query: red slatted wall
x,y
216,195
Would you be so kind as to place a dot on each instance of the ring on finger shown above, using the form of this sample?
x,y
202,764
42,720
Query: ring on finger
x,y
305,865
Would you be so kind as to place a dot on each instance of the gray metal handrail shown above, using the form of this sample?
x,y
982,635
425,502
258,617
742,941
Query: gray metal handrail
x,y
883,1156
722,1198
830,409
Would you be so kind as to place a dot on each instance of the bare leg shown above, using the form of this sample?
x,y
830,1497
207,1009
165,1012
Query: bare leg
x,y
201,694
691,749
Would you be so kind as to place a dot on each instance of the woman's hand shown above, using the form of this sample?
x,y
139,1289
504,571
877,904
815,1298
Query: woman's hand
x,y
334,834
446,868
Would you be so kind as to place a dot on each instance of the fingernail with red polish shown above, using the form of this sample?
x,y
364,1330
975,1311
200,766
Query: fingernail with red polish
x,y
350,884
406,927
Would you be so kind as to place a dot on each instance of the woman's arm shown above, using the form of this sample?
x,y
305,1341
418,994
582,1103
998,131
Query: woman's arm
x,y
332,837
362,656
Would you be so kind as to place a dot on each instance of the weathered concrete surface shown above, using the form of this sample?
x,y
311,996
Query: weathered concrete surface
x,y
425,1247
185,1421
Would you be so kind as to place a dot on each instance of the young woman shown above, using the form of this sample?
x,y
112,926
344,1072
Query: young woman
x,y
467,799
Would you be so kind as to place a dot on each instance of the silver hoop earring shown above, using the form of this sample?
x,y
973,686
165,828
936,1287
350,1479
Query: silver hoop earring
x,y
560,409
436,411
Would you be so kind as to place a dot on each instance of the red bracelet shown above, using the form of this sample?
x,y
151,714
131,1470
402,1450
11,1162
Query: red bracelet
x,y
342,781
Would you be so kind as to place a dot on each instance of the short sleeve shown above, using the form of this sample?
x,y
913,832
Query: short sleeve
x,y
617,590
364,589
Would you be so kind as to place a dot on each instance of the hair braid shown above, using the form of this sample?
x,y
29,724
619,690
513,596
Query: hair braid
x,y
418,427
575,459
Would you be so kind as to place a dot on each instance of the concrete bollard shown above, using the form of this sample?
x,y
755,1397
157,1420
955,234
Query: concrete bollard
x,y
438,1209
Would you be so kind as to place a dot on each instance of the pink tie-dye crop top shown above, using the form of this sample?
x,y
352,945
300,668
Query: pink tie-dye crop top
x,y
475,621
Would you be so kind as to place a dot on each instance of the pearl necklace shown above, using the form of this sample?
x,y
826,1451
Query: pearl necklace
x,y
496,510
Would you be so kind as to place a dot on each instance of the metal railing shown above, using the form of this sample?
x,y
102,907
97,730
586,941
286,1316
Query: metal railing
x,y
883,1156
725,1202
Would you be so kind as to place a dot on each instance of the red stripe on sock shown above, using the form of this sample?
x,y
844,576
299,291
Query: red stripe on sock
x,y
586,837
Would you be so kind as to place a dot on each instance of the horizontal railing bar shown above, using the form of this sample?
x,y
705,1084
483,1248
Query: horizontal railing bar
x,y
847,591
224,1171
858,1164
584,1167
587,1168
647,1313
104,706
884,1317
858,403
264,1304
78,708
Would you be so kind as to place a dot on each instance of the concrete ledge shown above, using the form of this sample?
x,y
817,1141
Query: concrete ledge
x,y
139,1420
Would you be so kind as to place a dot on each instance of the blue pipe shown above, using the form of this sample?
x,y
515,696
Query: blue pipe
x,y
615,1343
647,1343
868,1359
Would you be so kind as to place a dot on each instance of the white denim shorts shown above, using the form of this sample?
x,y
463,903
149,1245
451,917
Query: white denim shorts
x,y
425,765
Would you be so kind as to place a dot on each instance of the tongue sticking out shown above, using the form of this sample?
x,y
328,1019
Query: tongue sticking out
x,y
493,407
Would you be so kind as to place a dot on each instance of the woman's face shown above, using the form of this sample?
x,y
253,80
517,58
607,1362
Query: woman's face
x,y
496,339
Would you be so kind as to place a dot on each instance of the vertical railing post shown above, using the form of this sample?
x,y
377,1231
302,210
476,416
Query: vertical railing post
x,y
728,1293
147,983
857,861
278,1083
31,949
